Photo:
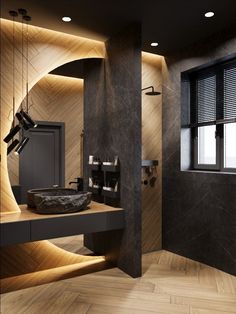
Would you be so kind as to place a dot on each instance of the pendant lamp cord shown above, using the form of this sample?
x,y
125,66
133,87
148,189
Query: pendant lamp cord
x,y
27,67
22,60
13,70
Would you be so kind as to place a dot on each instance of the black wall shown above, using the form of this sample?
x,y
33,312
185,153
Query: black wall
x,y
199,209
112,124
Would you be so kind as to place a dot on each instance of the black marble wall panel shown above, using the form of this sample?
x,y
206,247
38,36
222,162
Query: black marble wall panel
x,y
94,118
112,122
199,209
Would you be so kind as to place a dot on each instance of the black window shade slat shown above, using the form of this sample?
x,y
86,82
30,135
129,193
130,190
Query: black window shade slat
x,y
230,93
213,95
205,100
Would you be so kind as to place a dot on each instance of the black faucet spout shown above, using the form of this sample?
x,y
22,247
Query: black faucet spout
x,y
79,183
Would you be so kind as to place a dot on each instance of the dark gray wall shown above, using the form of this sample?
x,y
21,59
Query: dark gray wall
x,y
199,209
112,123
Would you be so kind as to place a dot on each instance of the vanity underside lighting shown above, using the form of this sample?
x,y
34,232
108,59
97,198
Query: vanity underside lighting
x,y
55,263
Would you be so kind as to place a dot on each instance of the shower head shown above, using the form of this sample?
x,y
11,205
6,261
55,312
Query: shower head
x,y
152,93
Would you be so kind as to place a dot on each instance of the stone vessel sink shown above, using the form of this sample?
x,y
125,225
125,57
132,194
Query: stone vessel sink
x,y
58,200
56,191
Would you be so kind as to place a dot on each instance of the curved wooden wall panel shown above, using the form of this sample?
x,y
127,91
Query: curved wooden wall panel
x,y
47,50
83,267
38,256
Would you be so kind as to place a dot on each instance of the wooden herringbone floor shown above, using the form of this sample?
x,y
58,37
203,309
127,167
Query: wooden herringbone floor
x,y
170,284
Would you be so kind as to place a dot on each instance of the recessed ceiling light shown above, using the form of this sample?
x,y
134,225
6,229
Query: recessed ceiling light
x,y
209,14
66,19
154,44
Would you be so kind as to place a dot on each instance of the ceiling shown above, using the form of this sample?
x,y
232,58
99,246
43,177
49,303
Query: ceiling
x,y
173,24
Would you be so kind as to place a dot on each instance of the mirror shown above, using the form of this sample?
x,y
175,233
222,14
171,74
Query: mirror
x,y
53,155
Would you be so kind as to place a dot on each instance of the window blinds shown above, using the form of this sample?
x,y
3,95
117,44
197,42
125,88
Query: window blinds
x,y
213,96
206,99
230,93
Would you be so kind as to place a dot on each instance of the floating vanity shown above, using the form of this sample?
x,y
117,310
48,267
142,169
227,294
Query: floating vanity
x,y
27,226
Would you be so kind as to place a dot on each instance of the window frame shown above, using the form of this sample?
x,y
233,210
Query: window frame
x,y
198,166
223,168
217,68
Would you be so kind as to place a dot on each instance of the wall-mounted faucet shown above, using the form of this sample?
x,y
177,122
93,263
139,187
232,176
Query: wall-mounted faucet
x,y
79,183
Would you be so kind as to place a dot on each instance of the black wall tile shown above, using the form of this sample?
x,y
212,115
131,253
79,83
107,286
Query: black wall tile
x,y
199,209
112,123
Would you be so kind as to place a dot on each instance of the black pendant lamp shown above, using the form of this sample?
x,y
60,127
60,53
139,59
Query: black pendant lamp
x,y
21,145
22,120
15,128
10,136
12,146
25,120
28,121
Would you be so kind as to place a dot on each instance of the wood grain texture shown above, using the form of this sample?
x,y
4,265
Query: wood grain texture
x,y
58,99
171,284
152,149
47,50
28,214
83,265
21,263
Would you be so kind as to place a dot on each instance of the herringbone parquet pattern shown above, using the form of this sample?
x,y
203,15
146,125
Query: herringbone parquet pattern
x,y
170,284
57,98
152,149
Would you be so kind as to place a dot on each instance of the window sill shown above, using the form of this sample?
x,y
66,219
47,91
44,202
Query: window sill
x,y
209,171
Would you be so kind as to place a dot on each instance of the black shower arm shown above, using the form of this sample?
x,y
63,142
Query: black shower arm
x,y
148,88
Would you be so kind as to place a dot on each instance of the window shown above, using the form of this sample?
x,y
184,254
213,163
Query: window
x,y
212,117
230,145
206,145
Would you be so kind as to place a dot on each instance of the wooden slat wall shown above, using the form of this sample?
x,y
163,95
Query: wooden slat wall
x,y
152,149
59,99
47,50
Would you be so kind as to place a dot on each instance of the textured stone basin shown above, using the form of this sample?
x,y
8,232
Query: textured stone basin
x,y
55,201
55,191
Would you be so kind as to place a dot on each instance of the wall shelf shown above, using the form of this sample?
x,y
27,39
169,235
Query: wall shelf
x,y
110,168
107,176
27,226
111,194
95,167
94,190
